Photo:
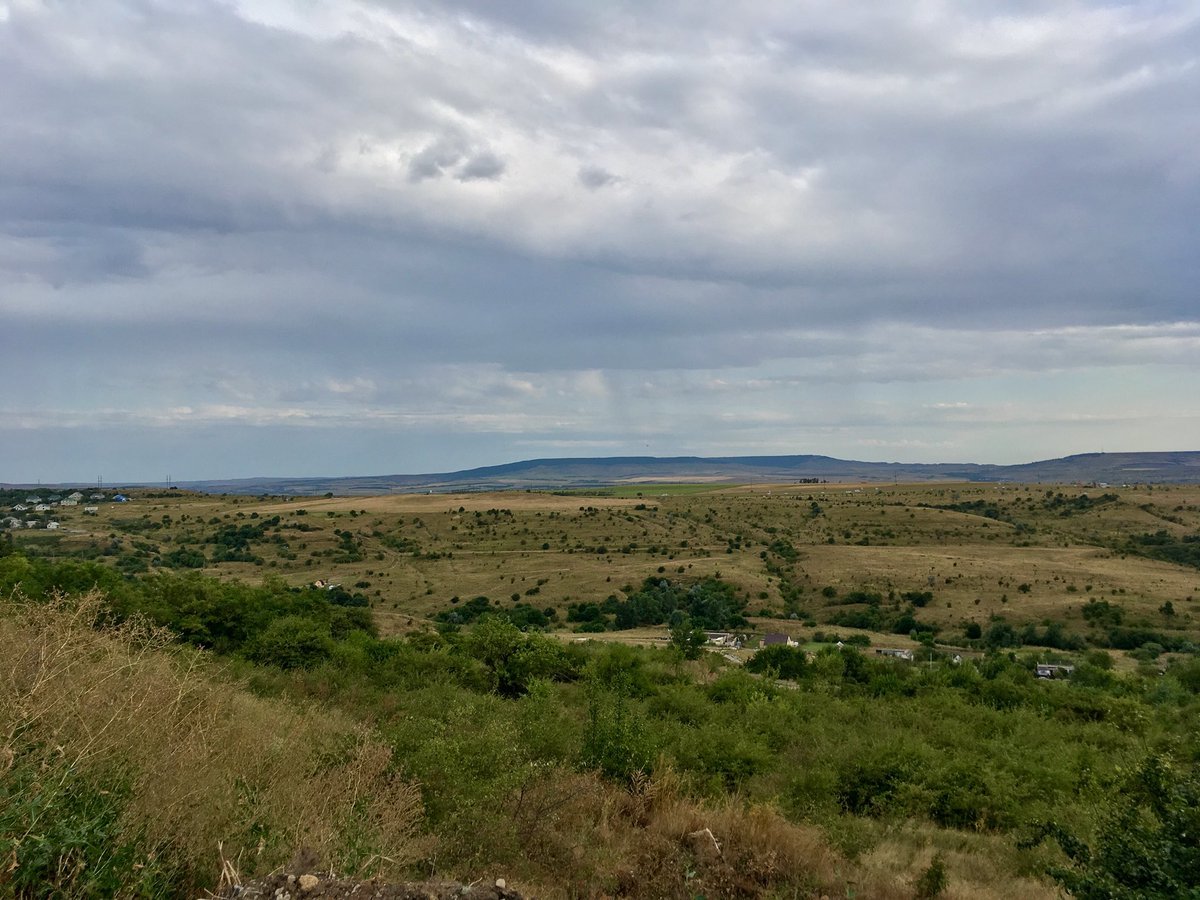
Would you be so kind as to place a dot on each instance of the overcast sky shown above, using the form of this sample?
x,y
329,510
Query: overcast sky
x,y
290,237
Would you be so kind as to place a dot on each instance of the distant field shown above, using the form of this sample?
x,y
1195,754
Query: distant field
x,y
649,489
1026,555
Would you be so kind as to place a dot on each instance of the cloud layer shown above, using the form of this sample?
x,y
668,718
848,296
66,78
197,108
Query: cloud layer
x,y
281,237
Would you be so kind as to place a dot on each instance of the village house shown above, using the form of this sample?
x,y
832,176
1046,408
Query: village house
x,y
723,639
20,507
76,496
11,522
96,497
775,638
53,526
68,502
895,653
1048,670
41,507
91,510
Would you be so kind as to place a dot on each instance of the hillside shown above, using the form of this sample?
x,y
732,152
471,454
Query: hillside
x,y
551,474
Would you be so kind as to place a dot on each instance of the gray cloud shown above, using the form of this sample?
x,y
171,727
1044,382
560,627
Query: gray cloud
x,y
482,167
243,206
594,177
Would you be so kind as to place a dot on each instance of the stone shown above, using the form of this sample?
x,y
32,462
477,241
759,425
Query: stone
x,y
309,882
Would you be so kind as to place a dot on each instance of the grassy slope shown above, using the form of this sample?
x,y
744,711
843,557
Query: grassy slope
x,y
882,538
135,769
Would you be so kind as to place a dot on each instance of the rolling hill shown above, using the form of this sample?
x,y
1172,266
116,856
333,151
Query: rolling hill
x,y
557,474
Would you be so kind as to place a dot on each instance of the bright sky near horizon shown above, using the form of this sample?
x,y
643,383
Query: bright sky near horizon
x,y
285,237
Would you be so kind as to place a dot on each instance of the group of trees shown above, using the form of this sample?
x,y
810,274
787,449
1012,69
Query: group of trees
x,y
269,622
1183,550
710,604
899,616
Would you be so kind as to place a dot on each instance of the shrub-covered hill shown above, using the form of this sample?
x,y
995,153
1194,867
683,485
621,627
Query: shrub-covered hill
x,y
569,769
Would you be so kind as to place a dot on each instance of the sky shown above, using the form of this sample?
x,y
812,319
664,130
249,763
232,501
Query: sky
x,y
291,237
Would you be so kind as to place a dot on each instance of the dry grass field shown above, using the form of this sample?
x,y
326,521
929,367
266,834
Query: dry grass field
x,y
1032,553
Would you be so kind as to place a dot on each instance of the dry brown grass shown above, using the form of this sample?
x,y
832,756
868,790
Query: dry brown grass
x,y
579,837
213,774
976,563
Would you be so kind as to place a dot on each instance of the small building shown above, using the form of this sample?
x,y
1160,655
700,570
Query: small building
x,y
53,498
91,510
75,495
120,498
723,639
32,523
52,526
775,638
41,507
895,653
20,507
11,522
32,500
68,502
1048,670
96,497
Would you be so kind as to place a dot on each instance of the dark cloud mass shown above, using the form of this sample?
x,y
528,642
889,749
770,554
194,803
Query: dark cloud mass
x,y
476,231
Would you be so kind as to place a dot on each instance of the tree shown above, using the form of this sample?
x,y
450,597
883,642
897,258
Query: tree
x,y
688,639
513,658
786,662
291,642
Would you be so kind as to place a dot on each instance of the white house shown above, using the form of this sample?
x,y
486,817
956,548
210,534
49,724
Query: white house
x,y
12,522
41,507
723,639
91,510
53,526
75,495
69,502
1048,670
96,497
20,507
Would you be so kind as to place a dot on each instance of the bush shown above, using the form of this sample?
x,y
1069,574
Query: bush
x,y
1147,843
616,740
786,662
291,642
933,881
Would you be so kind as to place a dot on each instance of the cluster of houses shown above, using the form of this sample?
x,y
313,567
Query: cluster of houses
x,y
778,639
37,504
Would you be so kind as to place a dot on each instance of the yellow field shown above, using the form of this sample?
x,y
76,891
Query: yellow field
x,y
413,553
